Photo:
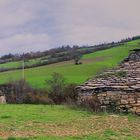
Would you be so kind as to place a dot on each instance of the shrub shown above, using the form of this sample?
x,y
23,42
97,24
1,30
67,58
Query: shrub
x,y
91,103
59,92
121,74
37,97
113,106
118,74
71,94
19,92
56,88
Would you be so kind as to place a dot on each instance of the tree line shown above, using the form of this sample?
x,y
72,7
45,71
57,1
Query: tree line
x,y
63,53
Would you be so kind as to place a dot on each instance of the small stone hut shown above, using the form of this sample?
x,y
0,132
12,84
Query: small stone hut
x,y
120,86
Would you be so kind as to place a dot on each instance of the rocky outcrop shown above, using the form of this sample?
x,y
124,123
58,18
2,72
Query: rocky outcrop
x,y
119,87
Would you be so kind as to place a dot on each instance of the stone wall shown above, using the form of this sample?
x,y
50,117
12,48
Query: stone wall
x,y
121,101
118,88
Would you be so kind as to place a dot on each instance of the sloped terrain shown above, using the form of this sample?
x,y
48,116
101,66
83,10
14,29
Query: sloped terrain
x,y
43,122
120,85
93,64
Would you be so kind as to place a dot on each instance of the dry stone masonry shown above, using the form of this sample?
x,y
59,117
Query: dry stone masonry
x,y
119,87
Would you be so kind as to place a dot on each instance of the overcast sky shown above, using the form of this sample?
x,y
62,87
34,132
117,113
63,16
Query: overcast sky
x,y
32,25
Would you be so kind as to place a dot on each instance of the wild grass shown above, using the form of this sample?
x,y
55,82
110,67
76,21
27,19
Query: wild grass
x,y
44,122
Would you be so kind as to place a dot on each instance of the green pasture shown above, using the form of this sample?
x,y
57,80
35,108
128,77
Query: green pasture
x,y
56,122
93,64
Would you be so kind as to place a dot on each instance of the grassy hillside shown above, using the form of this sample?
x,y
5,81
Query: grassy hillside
x,y
40,122
93,64
18,64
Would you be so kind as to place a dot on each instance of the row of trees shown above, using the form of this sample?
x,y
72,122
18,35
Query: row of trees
x,y
64,48
55,58
62,53
35,55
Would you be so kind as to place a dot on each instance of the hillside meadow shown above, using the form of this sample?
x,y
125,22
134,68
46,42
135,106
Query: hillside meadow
x,y
57,122
93,64
60,122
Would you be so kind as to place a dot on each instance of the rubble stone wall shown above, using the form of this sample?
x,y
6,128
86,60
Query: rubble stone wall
x,y
122,101
118,87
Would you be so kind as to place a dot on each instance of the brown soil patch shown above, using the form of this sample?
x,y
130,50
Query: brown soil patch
x,y
97,59
84,61
79,127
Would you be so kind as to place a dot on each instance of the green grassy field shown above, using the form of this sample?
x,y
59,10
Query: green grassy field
x,y
43,122
93,64
57,122
17,64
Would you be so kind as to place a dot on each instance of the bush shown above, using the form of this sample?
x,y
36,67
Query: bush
x,y
37,97
91,103
19,92
71,94
121,74
56,88
59,92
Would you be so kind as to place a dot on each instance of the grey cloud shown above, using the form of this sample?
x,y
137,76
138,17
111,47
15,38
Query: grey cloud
x,y
65,22
25,43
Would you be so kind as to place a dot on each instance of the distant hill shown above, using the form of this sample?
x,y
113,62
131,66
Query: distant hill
x,y
93,64
64,53
36,59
